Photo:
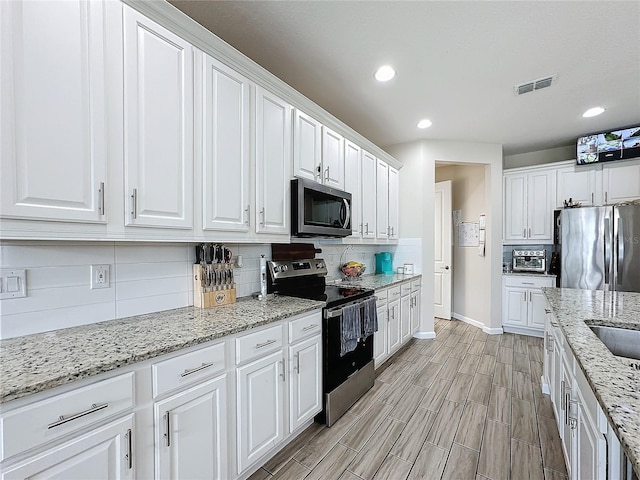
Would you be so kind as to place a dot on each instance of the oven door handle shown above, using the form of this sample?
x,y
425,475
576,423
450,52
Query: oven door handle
x,y
337,311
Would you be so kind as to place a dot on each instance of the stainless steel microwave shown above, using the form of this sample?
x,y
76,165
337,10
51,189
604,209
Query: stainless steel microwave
x,y
318,210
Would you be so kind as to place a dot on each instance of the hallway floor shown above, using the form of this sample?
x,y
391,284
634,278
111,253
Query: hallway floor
x,y
466,405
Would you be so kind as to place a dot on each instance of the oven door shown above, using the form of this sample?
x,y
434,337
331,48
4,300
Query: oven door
x,y
317,210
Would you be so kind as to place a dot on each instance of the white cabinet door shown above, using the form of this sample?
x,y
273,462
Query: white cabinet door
x,y
191,432
405,318
415,311
536,311
590,442
514,310
621,182
305,388
382,200
576,183
380,352
104,453
307,147
369,165
568,411
158,134
273,163
394,335
260,411
541,193
225,147
394,205
515,207
353,185
556,383
53,147
332,158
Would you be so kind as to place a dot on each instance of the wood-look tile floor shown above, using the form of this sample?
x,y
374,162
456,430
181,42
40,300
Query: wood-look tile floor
x,y
465,405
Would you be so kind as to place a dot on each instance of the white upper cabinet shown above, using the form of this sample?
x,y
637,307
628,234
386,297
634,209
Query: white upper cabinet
x,y
620,182
158,134
53,146
382,200
577,183
225,147
529,199
273,163
394,206
353,185
332,159
307,147
369,166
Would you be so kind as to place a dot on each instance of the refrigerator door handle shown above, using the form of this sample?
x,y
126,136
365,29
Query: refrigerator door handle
x,y
607,249
620,246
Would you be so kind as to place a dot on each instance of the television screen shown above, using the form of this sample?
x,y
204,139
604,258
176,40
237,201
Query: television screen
x,y
608,146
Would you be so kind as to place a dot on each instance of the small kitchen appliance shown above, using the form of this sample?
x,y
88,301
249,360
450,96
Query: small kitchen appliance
x,y
318,210
529,260
345,378
384,263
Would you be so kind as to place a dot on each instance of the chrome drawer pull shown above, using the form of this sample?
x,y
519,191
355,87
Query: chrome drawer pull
x,y
129,452
62,419
264,344
310,327
197,369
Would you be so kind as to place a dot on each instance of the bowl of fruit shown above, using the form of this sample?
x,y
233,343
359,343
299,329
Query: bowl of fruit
x,y
352,269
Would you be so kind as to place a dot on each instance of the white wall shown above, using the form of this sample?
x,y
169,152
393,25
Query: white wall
x,y
144,278
471,272
417,178
540,157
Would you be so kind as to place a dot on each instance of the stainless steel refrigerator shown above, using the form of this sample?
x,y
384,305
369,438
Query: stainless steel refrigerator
x,y
600,248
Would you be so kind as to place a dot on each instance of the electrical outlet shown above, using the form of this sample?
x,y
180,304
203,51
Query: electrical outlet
x,y
13,283
99,276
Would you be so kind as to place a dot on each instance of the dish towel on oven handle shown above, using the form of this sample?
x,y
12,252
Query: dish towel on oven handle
x,y
350,328
370,317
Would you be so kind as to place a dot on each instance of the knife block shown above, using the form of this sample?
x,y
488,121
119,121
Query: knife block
x,y
214,295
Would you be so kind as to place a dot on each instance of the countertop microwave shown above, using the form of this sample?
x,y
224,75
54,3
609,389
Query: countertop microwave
x,y
318,210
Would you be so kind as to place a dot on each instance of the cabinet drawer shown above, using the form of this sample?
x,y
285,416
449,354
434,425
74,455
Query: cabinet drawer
x,y
394,293
184,370
416,285
258,343
305,327
47,420
528,281
405,289
381,296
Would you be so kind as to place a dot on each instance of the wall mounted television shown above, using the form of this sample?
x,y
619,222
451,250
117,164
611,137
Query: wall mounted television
x,y
608,146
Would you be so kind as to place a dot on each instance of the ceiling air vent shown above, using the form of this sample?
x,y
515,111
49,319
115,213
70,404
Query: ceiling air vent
x,y
535,85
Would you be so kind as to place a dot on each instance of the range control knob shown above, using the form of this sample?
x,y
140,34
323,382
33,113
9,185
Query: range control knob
x,y
283,268
320,265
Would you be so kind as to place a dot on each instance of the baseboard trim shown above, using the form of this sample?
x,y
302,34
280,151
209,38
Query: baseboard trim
x,y
532,332
423,335
476,323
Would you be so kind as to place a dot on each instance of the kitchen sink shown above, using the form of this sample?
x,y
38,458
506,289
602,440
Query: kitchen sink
x,y
622,342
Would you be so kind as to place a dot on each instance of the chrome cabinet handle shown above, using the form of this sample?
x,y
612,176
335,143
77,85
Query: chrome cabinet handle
x,y
366,226
592,198
319,171
310,327
525,296
134,204
167,428
528,283
296,363
101,198
262,216
605,197
529,233
327,173
281,363
562,396
248,220
547,310
196,369
129,452
64,419
524,233
264,344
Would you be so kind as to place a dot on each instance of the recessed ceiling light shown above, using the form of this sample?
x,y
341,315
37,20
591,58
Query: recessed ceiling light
x,y
424,123
385,73
592,112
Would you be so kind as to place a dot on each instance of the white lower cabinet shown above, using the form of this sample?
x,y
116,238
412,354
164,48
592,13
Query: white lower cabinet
x,y
394,336
104,453
191,432
581,422
523,303
416,305
405,318
380,352
305,391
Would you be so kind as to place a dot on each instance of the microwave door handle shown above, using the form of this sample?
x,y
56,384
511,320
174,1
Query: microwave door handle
x,y
347,213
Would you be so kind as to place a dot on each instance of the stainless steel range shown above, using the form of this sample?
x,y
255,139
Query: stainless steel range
x,y
345,378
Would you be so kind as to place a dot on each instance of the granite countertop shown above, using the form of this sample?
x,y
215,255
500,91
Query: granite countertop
x,y
35,363
616,384
378,281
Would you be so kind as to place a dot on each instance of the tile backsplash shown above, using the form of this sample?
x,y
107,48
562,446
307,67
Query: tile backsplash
x,y
143,278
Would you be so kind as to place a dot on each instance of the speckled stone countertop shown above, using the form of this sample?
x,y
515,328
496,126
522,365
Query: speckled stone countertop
x,y
35,363
378,282
616,384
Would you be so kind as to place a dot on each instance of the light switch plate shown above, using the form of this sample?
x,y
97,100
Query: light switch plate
x,y
99,276
13,283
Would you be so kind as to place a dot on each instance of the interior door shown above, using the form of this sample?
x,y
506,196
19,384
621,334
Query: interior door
x,y
442,266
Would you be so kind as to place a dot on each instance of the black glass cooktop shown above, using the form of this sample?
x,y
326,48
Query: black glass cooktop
x,y
332,294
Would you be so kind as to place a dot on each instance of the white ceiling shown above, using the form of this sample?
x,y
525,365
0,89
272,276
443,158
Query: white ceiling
x,y
457,64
